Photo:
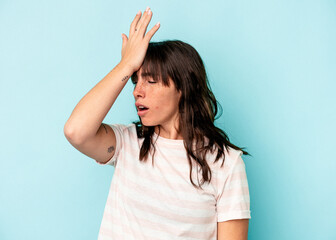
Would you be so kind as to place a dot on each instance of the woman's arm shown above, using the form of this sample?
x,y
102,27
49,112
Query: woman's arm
x,y
233,229
86,119
84,128
91,110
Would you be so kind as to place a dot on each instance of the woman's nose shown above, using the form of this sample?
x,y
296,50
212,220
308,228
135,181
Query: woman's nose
x,y
139,90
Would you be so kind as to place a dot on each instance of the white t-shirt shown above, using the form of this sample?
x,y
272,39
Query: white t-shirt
x,y
159,202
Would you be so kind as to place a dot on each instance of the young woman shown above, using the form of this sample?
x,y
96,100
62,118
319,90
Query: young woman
x,y
177,176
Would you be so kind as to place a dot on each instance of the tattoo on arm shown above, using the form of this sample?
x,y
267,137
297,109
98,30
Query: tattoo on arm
x,y
110,149
125,78
104,127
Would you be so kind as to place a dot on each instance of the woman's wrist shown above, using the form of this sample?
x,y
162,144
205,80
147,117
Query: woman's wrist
x,y
125,68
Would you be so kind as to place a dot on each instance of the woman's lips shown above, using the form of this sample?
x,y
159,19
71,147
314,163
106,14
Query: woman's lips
x,y
137,105
142,109
142,112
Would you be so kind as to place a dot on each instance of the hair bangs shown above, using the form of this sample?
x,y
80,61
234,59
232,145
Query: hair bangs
x,y
153,65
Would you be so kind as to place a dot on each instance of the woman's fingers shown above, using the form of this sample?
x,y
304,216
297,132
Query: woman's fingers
x,y
134,23
151,32
144,21
133,50
124,42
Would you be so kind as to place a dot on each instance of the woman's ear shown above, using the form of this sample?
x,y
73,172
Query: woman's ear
x,y
180,94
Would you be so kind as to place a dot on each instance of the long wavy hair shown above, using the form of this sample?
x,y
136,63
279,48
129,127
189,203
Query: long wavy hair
x,y
198,106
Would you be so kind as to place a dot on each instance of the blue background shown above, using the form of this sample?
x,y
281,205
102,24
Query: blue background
x,y
271,65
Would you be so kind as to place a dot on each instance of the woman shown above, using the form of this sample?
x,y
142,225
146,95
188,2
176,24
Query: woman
x,y
177,109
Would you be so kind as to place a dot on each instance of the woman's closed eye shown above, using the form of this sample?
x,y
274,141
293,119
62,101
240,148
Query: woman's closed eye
x,y
134,81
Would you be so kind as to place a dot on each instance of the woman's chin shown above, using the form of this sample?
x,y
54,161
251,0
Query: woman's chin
x,y
148,124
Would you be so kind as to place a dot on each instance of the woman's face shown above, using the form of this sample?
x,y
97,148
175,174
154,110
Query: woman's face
x,y
156,104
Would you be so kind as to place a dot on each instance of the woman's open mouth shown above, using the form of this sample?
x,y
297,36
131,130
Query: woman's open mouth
x,y
142,110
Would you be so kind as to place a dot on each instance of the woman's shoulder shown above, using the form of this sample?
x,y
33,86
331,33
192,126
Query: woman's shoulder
x,y
124,129
230,156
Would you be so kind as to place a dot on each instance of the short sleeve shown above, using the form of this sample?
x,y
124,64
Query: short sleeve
x,y
118,130
233,198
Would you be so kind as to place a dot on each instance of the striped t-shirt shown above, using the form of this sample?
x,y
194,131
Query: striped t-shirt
x,y
159,202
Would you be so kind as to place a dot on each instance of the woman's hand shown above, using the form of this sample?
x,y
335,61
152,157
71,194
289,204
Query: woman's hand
x,y
134,48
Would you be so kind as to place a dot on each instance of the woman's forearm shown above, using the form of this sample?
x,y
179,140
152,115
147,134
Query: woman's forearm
x,y
91,110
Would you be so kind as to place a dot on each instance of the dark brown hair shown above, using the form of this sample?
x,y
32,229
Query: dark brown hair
x,y
198,106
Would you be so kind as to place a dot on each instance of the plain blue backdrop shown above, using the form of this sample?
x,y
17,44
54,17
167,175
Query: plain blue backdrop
x,y
271,65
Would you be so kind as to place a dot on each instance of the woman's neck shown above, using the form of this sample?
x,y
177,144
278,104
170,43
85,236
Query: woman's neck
x,y
168,132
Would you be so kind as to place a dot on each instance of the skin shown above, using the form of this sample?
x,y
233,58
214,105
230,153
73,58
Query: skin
x,y
233,229
162,103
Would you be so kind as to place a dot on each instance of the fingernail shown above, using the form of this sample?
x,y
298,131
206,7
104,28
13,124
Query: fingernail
x,y
158,24
138,12
147,9
149,12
